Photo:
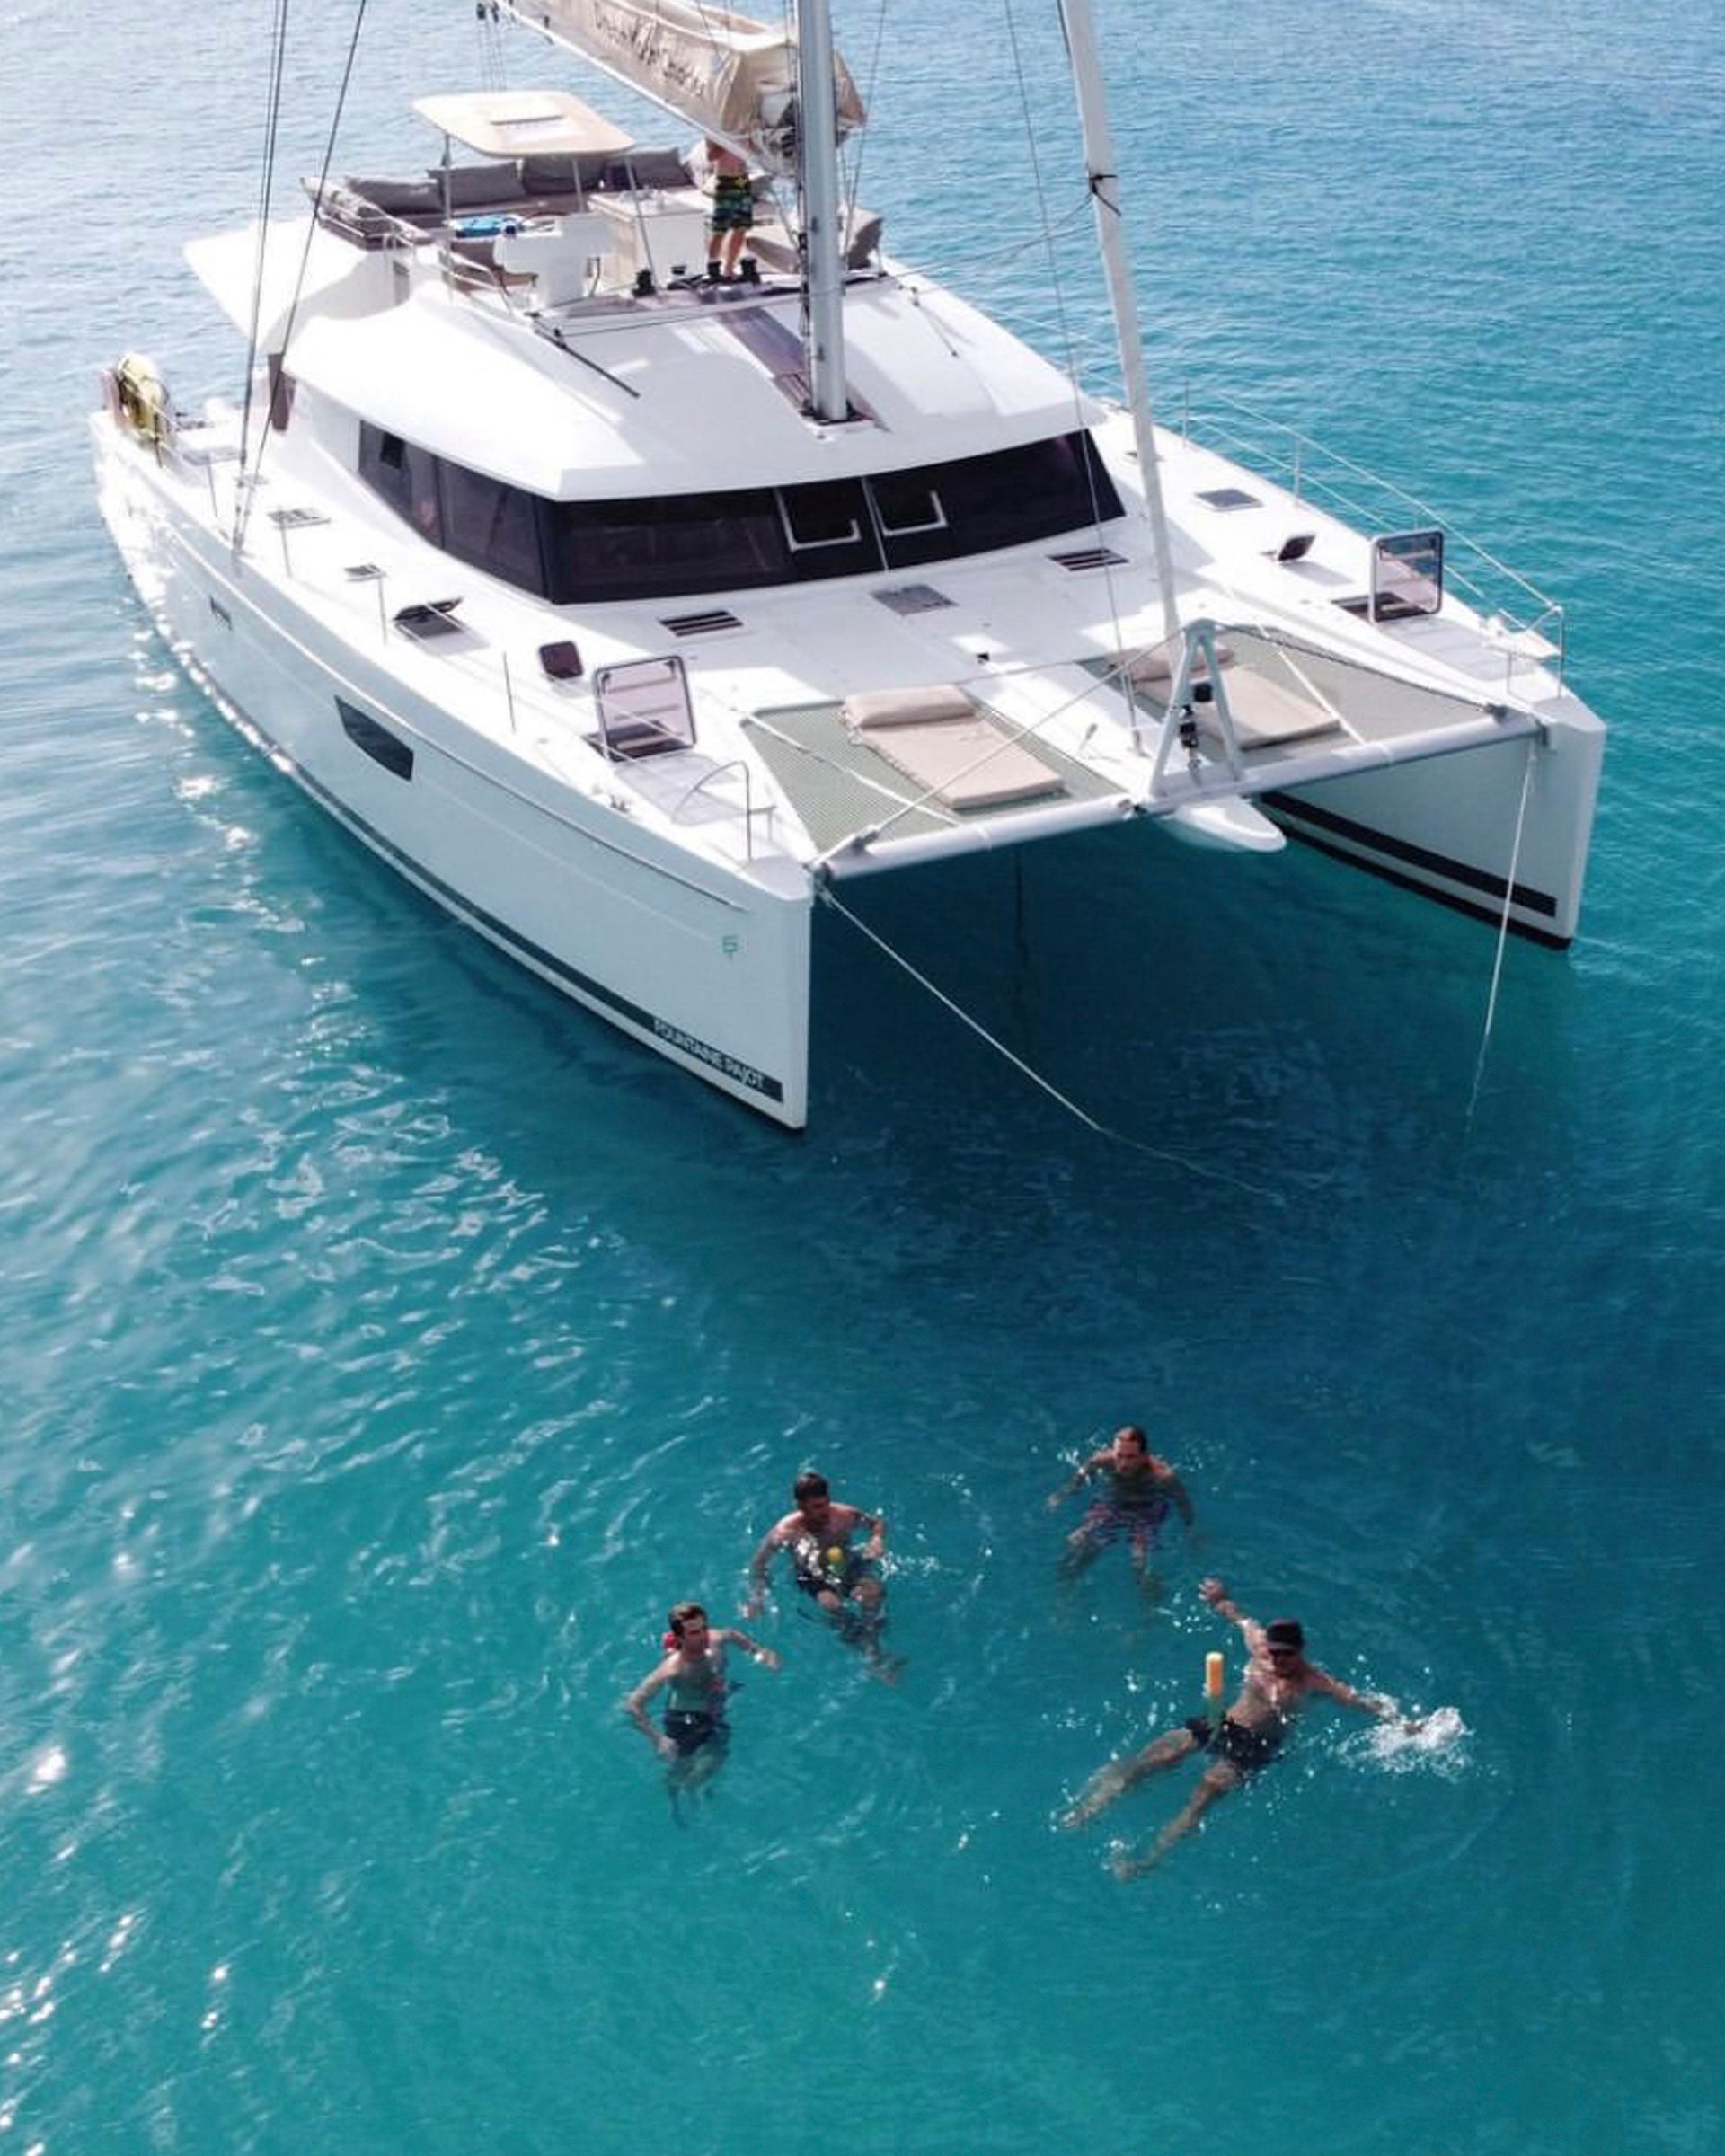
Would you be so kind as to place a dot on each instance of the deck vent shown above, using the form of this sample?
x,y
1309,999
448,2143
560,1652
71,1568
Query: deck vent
x,y
913,599
699,624
294,520
1090,557
1229,497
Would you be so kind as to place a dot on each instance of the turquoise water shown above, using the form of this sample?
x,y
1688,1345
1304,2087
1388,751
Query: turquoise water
x,y
385,1344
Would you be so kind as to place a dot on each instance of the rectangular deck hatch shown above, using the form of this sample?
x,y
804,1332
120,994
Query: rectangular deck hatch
x,y
912,599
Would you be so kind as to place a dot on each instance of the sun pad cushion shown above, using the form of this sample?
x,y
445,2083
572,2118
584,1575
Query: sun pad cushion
x,y
965,763
872,709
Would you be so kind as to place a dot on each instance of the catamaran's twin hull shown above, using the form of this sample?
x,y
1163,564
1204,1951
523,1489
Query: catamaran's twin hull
x,y
708,966
1493,832
709,970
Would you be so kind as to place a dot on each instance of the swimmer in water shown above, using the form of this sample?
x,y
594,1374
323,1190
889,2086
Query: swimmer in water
x,y
1141,1491
1278,1682
696,1734
842,1580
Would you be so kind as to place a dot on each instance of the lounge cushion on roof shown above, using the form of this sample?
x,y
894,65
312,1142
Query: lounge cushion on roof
x,y
398,198
651,168
872,709
477,186
561,175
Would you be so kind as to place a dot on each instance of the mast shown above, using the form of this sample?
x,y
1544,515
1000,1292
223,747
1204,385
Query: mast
x,y
823,268
1105,196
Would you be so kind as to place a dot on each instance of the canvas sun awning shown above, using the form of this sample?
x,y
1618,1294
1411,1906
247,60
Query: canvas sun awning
x,y
523,123
728,74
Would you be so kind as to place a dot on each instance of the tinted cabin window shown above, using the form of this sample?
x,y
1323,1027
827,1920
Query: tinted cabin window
x,y
670,546
665,547
908,505
405,475
829,529
493,527
1004,499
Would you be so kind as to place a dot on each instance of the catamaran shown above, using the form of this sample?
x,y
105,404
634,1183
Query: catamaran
x,y
629,608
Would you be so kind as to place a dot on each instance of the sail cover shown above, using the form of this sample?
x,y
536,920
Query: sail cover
x,y
732,77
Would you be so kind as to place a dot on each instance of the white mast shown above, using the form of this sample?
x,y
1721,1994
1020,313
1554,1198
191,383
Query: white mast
x,y
823,268
1105,194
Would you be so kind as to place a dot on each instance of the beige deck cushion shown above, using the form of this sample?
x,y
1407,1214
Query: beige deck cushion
x,y
1154,669
971,763
874,708
1267,715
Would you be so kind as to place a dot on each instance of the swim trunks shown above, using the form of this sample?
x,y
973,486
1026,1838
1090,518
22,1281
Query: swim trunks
x,y
1243,1748
839,1580
733,203
689,1729
1108,1518
827,1567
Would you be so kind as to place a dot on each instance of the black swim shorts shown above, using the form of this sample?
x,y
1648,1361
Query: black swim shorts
x,y
1243,1748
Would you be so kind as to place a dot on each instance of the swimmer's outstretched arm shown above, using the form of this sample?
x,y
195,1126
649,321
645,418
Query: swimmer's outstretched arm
x,y
1375,1703
1224,1606
768,1656
1076,1479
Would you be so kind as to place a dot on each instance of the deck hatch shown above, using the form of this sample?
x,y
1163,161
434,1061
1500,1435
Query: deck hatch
x,y
912,599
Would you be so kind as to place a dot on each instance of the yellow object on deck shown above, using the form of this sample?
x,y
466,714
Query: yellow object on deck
x,y
139,399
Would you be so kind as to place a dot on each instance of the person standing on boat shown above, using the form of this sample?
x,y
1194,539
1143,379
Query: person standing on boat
x,y
733,211
696,1734
843,1580
1141,1492
1278,1682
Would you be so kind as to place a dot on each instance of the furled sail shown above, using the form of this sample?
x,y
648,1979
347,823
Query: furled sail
x,y
731,77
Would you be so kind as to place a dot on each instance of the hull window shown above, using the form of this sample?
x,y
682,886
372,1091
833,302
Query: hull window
x,y
378,743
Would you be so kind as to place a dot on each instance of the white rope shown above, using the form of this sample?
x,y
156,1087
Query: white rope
x,y
1103,1130
1503,933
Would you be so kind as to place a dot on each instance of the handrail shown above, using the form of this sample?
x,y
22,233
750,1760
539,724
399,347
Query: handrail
x,y
749,810
1290,457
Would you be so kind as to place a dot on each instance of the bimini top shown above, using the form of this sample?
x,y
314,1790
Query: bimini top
x,y
523,123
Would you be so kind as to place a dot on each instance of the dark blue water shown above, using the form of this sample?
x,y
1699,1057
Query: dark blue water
x,y
385,1344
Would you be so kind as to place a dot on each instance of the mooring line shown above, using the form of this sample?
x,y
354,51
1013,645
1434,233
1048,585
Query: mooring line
x,y
1104,1130
1503,936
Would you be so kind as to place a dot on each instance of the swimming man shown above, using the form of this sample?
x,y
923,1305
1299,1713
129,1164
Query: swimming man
x,y
1278,1682
843,1581
1142,1490
697,1734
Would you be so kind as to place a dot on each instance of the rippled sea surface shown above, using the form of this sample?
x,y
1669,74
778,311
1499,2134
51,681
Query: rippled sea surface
x,y
385,1344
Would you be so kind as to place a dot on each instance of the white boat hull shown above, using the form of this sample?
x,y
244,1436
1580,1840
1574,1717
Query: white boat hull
x,y
710,970
1460,828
